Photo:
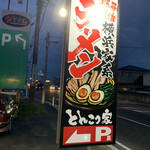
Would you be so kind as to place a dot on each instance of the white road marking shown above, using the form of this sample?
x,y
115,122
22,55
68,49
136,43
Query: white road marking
x,y
128,108
112,147
143,112
120,144
136,110
134,121
125,147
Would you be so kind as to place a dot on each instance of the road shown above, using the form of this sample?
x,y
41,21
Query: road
x,y
133,123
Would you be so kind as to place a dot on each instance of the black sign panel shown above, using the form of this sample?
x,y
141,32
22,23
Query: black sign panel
x,y
87,114
16,20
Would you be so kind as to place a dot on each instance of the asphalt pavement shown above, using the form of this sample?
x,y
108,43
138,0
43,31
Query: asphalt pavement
x,y
37,133
133,125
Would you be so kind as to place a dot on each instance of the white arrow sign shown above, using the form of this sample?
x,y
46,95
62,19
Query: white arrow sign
x,y
79,138
18,37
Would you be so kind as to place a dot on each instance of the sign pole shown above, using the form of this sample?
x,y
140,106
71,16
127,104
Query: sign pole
x,y
66,35
27,6
17,95
8,4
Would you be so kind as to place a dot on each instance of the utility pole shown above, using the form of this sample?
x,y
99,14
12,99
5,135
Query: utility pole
x,y
35,51
45,67
8,4
27,6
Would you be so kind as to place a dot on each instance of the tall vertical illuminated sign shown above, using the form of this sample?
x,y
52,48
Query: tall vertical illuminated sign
x,y
87,114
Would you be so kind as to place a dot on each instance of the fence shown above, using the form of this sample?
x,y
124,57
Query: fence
x,y
134,96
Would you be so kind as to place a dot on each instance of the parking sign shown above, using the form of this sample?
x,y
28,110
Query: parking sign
x,y
14,44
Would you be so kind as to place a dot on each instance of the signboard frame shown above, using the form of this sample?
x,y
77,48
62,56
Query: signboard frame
x,y
72,107
14,20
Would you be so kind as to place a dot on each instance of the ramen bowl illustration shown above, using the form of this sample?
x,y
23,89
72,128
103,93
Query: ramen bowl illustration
x,y
90,92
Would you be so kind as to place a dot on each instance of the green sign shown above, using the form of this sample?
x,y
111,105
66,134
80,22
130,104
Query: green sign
x,y
13,58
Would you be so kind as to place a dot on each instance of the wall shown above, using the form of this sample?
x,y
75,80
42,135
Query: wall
x,y
146,79
128,77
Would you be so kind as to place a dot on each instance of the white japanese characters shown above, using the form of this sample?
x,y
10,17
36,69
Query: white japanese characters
x,y
90,119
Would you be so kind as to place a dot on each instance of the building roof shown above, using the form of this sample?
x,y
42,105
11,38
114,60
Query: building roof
x,y
134,68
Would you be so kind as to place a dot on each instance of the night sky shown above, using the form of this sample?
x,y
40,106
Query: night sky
x,y
134,34
134,43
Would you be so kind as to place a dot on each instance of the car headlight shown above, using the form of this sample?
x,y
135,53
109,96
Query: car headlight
x,y
52,88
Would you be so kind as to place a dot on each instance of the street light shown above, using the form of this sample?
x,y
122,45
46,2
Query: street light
x,y
63,12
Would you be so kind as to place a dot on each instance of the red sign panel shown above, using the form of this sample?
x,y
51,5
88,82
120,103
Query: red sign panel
x,y
88,104
87,134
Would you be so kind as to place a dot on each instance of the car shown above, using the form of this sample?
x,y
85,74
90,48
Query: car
x,y
52,87
8,112
39,86
5,118
11,107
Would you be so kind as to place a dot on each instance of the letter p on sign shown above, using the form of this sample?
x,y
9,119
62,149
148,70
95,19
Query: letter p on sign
x,y
103,132
5,38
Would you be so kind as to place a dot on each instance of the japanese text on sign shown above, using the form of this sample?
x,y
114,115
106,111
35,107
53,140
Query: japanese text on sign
x,y
85,53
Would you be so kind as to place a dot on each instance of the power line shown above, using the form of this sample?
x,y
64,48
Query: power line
x,y
142,47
